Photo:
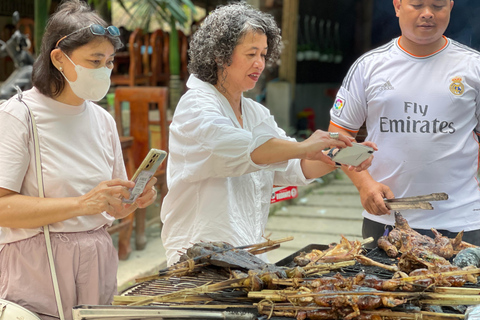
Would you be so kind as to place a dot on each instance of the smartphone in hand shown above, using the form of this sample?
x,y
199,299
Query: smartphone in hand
x,y
352,156
144,173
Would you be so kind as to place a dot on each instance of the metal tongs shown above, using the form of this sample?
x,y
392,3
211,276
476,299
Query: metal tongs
x,y
418,202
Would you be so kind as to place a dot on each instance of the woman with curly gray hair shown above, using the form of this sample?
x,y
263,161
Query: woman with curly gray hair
x,y
226,151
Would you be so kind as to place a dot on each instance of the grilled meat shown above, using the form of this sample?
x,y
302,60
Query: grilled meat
x,y
338,282
403,239
344,251
356,302
390,248
419,258
331,314
369,262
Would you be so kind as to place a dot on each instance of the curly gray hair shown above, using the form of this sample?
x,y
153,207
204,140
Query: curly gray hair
x,y
212,45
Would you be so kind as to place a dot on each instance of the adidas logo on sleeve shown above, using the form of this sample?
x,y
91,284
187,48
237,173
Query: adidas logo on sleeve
x,y
386,86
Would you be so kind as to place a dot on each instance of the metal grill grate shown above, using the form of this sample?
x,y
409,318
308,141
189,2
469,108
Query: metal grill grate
x,y
378,255
173,284
209,275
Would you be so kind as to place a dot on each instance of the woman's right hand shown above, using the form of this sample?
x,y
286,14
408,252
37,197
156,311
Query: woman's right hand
x,y
321,140
107,196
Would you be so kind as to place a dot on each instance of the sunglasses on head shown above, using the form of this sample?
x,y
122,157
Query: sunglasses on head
x,y
95,29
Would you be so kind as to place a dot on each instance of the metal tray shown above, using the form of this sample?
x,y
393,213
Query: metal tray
x,y
90,312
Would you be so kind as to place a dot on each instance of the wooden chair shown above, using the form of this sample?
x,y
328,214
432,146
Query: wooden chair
x,y
166,54
125,226
138,72
143,102
158,66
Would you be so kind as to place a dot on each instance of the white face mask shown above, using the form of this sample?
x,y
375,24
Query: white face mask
x,y
91,84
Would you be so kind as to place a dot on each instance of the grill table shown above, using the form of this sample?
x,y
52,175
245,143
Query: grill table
x,y
215,309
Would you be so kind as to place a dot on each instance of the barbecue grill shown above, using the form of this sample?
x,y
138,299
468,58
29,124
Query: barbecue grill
x,y
239,307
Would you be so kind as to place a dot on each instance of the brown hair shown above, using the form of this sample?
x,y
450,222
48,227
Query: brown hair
x,y
71,15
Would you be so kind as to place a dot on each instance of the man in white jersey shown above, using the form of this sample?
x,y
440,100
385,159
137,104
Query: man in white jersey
x,y
419,97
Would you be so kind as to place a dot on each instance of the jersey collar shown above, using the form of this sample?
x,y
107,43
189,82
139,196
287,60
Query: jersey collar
x,y
447,42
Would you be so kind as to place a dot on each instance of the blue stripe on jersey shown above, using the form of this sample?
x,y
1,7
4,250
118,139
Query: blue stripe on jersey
x,y
462,46
382,49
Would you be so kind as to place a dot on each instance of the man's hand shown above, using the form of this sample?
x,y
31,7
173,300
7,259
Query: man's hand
x,y
372,194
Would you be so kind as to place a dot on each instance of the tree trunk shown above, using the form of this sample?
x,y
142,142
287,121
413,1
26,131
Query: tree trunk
x,y
42,8
288,68
174,54
175,85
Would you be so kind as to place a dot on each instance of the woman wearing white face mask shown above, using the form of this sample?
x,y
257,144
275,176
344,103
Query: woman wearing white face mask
x,y
83,173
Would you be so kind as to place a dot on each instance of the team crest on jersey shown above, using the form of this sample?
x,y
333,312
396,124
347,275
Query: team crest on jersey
x,y
338,106
457,87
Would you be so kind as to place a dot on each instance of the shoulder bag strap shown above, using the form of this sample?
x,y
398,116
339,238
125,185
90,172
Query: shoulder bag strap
x,y
41,194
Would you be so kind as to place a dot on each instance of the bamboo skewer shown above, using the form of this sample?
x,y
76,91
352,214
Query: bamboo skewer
x,y
384,314
367,240
417,315
146,300
268,243
450,299
441,274
423,297
330,265
370,262
211,306
327,267
173,272
264,250
291,311
457,290
285,295
439,316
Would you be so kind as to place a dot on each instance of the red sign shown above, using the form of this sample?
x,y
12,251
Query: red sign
x,y
284,193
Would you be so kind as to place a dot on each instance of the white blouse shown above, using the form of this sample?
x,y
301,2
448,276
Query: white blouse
x,y
216,192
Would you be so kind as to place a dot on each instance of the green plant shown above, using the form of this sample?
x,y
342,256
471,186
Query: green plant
x,y
171,12
104,8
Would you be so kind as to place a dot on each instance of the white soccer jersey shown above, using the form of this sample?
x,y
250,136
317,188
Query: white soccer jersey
x,y
423,113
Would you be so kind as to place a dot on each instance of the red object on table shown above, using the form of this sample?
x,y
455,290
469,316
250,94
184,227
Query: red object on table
x,y
284,193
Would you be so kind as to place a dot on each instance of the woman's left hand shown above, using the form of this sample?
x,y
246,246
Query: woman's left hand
x,y
149,194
